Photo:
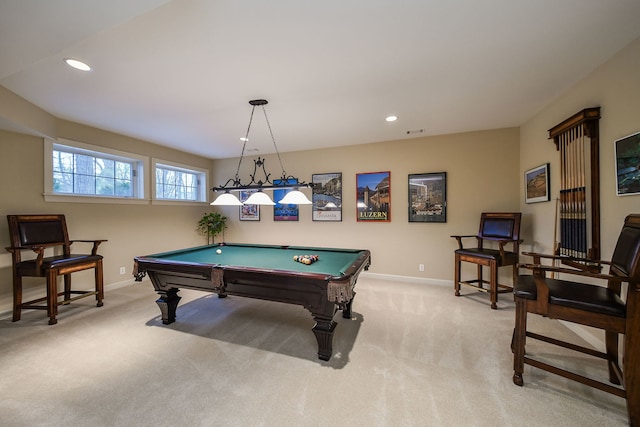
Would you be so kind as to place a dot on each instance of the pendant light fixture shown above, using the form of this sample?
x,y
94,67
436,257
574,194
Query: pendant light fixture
x,y
294,197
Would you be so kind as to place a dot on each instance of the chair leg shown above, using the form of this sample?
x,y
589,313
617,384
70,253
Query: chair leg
x,y
67,288
631,358
493,291
456,276
99,284
52,296
480,279
518,342
17,297
611,341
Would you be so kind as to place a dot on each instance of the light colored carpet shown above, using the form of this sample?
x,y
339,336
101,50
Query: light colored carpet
x,y
413,355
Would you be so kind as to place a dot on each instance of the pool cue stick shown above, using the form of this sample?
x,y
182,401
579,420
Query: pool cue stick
x,y
556,244
583,210
562,192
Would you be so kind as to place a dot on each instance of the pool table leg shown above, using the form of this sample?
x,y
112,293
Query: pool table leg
x,y
168,302
323,330
346,307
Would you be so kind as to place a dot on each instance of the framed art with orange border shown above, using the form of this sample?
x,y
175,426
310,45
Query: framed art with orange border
x,y
373,196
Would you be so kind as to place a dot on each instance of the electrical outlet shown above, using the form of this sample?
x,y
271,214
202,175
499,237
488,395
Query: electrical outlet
x,y
421,267
122,270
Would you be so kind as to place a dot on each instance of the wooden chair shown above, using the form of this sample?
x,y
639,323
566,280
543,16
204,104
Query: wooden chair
x,y
40,233
502,229
591,305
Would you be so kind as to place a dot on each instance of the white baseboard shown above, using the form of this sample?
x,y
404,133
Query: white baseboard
x,y
407,279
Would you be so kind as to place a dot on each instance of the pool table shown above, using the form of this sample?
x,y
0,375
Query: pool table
x,y
267,272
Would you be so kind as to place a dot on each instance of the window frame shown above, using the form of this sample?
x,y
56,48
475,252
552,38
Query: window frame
x,y
140,165
202,176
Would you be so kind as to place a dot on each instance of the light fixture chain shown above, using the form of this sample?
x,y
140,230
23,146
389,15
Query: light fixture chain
x,y
246,138
284,174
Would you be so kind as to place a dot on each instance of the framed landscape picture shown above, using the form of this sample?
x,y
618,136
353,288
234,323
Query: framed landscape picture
x,y
536,184
248,212
373,196
327,196
628,165
428,197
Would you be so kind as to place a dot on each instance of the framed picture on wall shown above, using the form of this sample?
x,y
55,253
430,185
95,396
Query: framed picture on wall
x,y
373,196
284,212
327,196
248,212
536,184
628,165
428,197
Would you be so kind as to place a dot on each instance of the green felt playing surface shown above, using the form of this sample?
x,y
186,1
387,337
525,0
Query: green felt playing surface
x,y
331,261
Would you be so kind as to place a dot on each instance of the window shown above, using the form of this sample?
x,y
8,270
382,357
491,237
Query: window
x,y
81,171
179,183
77,173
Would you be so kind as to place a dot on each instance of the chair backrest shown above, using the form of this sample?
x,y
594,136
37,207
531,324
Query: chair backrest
x,y
38,230
626,256
500,226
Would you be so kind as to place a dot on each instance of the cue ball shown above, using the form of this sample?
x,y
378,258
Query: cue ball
x,y
219,251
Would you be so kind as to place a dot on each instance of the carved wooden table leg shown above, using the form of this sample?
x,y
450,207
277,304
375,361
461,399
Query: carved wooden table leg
x,y
168,302
323,330
346,307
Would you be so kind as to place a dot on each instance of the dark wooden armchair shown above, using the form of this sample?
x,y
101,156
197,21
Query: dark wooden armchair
x,y
587,304
48,233
503,229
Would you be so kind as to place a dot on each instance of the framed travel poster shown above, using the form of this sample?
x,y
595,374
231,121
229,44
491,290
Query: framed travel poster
x,y
428,197
327,196
373,196
248,212
284,212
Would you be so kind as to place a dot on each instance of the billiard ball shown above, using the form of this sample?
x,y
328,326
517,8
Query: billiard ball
x,y
219,251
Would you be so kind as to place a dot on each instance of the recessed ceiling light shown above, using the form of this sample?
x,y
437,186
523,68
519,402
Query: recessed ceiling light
x,y
391,118
79,65
244,139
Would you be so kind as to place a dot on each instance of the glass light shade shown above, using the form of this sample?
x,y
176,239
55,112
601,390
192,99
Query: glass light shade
x,y
259,198
226,199
295,197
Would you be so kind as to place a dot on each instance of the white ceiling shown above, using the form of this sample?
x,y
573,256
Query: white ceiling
x,y
180,73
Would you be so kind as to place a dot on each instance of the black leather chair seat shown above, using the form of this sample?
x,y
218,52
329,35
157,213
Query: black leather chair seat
x,y
593,298
29,266
488,254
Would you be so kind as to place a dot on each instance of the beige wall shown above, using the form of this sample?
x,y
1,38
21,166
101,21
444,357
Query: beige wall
x,y
131,229
19,115
615,88
481,169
